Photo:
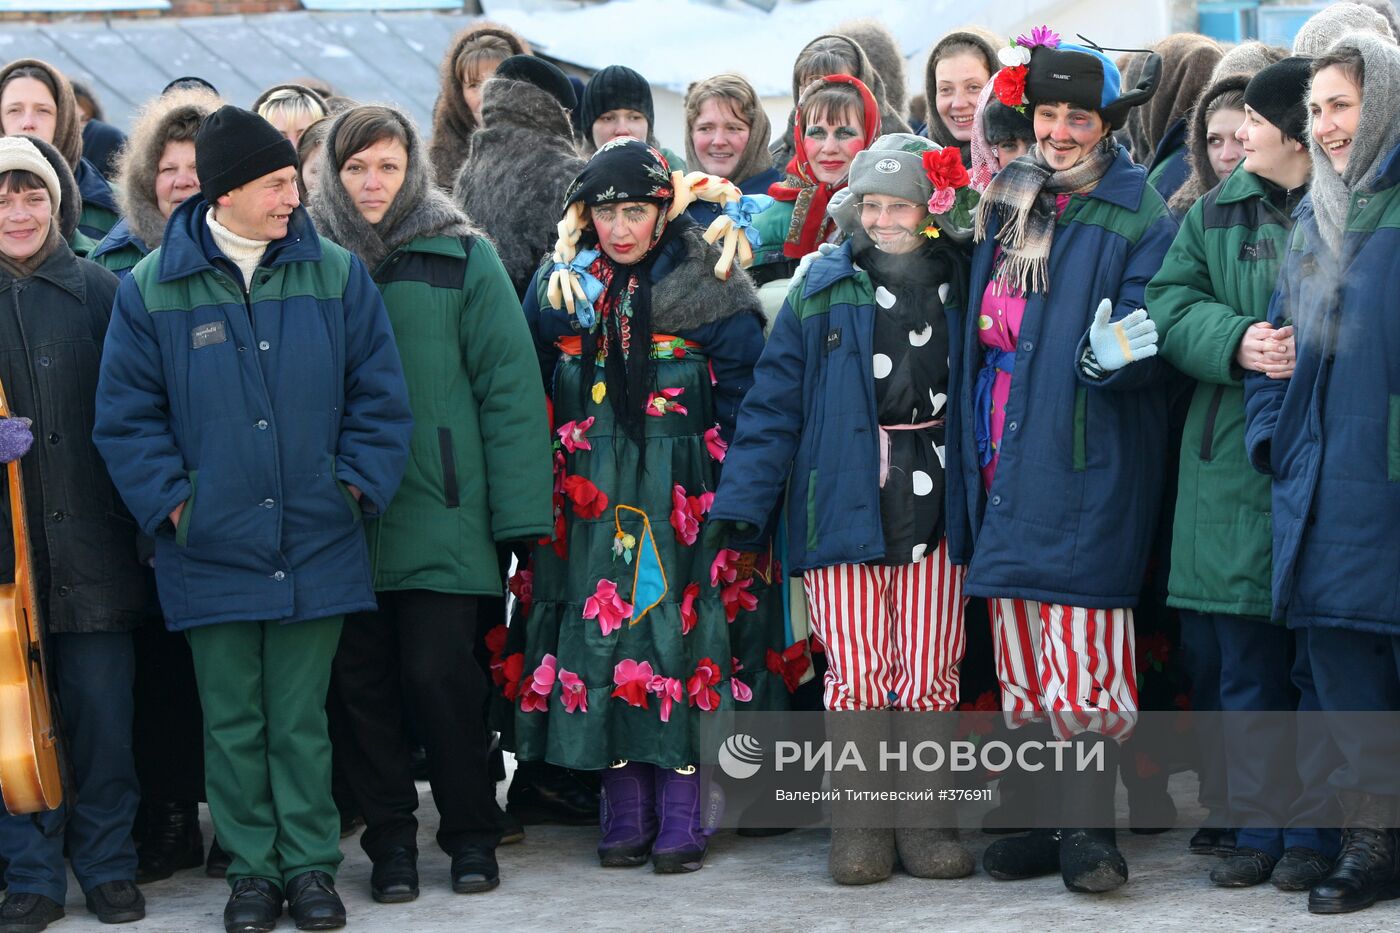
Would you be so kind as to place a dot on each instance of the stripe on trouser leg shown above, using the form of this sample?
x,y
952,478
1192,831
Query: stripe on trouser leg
x,y
928,637
1089,673
847,606
1017,646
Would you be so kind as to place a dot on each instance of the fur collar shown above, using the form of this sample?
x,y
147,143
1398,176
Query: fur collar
x,y
688,296
136,169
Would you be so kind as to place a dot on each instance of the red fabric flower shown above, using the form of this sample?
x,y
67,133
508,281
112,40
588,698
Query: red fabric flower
x,y
522,587
945,169
701,686
659,403
1010,86
535,697
589,501
633,680
512,669
689,614
736,596
496,640
790,665
687,512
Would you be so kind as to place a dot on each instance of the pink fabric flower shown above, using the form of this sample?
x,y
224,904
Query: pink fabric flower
x,y
736,596
737,688
716,445
689,614
607,607
701,686
572,692
659,403
722,569
1040,35
633,680
571,435
942,200
670,690
687,512
535,696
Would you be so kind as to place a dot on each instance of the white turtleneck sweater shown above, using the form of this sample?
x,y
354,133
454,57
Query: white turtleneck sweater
x,y
241,251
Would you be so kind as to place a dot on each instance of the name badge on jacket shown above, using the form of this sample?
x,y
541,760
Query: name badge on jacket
x,y
206,335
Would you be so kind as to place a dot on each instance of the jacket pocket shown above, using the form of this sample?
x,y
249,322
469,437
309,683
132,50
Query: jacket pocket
x,y
1208,429
1392,441
449,468
1081,418
812,537
182,530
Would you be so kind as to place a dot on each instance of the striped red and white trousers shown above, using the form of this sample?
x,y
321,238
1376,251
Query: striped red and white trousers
x,y
1076,665
893,635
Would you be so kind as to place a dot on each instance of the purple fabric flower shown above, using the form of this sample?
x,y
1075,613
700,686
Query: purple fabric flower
x,y
1040,35
15,438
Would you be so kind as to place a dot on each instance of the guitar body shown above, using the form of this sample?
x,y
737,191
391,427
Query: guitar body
x,y
30,779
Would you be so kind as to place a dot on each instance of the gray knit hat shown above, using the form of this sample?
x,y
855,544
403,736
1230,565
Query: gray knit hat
x,y
1323,29
893,165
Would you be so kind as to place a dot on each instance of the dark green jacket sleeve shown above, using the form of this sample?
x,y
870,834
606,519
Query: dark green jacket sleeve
x,y
504,374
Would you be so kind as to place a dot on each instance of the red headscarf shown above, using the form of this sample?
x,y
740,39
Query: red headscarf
x,y
810,225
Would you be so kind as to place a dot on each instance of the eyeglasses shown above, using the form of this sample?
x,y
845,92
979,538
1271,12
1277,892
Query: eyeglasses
x,y
897,210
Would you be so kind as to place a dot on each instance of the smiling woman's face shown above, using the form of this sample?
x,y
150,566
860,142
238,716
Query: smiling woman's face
x,y
830,143
24,221
1334,101
1066,134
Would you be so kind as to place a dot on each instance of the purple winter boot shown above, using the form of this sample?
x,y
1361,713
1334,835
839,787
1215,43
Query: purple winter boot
x,y
627,812
680,846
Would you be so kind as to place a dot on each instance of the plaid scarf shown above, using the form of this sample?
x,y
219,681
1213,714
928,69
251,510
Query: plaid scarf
x,y
1023,194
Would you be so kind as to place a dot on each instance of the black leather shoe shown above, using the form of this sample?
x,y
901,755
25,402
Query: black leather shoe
x,y
1363,873
253,907
172,841
474,870
1243,868
542,793
28,913
117,902
1208,840
1300,869
219,860
394,879
313,903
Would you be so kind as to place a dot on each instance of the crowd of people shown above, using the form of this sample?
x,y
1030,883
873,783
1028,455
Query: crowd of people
x,y
353,458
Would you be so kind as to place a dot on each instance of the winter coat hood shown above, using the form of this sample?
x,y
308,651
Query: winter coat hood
x,y
453,123
1188,61
68,133
136,185
987,43
881,47
419,209
518,167
70,206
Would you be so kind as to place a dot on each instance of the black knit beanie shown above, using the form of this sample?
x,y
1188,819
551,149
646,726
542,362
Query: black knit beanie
x,y
235,146
616,87
1279,94
542,75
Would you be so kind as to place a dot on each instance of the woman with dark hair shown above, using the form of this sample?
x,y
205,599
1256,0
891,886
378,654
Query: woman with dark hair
x,y
959,66
631,628
474,55
37,100
309,162
478,477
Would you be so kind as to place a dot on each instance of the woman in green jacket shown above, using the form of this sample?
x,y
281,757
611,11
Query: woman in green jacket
x,y
478,475
1210,301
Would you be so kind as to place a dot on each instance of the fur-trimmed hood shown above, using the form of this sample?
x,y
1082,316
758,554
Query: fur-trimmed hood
x,y
136,166
453,123
68,132
517,168
419,209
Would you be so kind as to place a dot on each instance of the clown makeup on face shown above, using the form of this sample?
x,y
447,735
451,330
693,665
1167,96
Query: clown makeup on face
x,y
625,229
1334,100
960,79
1222,147
892,223
1066,134
830,141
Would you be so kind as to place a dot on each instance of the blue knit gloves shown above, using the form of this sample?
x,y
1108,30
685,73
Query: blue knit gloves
x,y
15,438
1118,343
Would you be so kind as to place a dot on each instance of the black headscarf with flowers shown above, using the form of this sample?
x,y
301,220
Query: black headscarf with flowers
x,y
624,169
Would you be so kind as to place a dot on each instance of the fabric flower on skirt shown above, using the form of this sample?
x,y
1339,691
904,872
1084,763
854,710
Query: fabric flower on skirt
x,y
687,512
736,596
790,665
722,568
571,435
573,692
701,686
689,614
607,607
716,445
588,500
659,403
535,697
512,669
495,641
522,587
670,690
737,688
633,680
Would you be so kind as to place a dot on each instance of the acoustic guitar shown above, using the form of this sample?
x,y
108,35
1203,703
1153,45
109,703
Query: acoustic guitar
x,y
30,780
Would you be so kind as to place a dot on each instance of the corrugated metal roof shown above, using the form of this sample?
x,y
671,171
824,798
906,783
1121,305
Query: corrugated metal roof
x,y
389,57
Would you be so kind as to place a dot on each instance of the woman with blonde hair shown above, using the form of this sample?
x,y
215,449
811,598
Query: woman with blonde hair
x,y
726,134
291,108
